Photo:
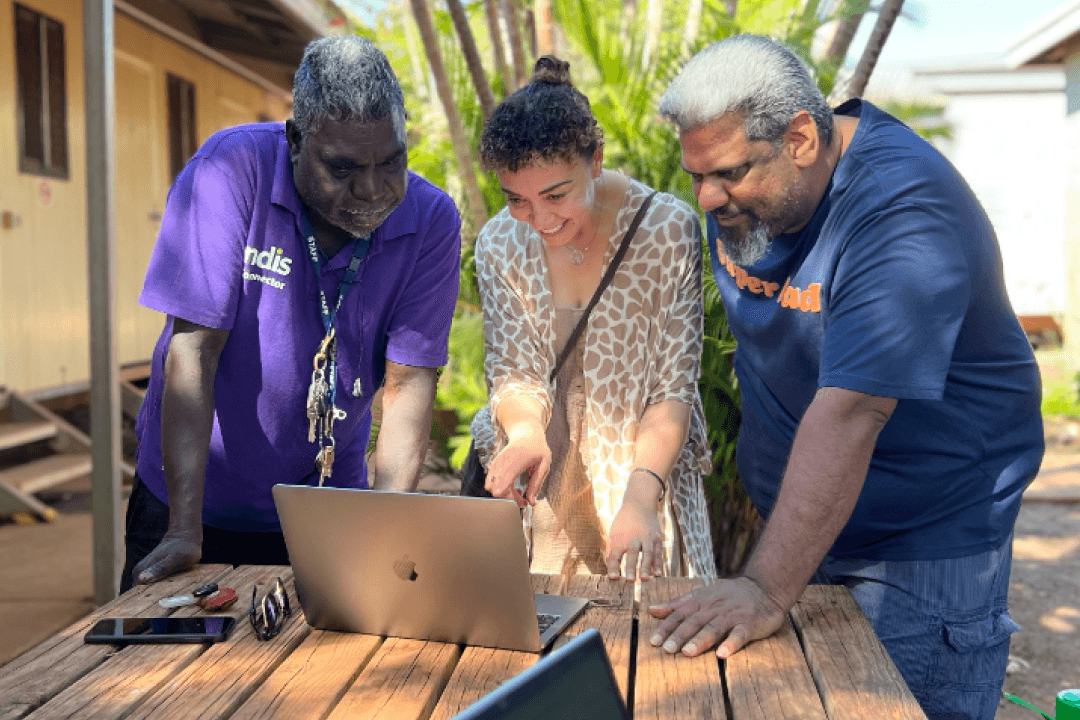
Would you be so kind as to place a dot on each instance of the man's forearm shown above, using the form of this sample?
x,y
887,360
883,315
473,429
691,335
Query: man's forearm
x,y
408,398
825,473
187,417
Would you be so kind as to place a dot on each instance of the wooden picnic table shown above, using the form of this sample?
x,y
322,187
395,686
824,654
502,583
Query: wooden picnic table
x,y
825,663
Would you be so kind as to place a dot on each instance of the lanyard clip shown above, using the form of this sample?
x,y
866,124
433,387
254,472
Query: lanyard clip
x,y
324,350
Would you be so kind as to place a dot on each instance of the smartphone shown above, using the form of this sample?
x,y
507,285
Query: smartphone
x,y
161,630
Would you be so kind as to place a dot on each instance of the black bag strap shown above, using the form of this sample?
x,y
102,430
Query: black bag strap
x,y
604,281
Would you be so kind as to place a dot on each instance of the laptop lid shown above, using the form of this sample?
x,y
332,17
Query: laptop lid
x,y
575,681
432,567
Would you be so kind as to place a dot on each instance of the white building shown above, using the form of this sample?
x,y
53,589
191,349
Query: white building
x,y
1054,42
1007,127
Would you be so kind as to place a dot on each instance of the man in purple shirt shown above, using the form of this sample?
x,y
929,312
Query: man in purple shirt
x,y
302,267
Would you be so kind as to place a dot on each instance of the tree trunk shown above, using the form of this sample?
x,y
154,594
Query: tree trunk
x,y
654,22
626,20
513,30
545,28
890,10
529,29
419,73
462,148
472,57
731,6
497,46
693,22
846,28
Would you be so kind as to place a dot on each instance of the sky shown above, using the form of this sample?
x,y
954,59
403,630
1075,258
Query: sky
x,y
936,29
929,30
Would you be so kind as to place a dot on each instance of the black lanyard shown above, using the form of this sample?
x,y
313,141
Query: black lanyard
x,y
328,313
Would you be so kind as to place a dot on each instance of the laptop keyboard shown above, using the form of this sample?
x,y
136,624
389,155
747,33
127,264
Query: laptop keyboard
x,y
546,621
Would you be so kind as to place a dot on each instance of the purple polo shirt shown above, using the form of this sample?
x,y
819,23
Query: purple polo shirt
x,y
231,255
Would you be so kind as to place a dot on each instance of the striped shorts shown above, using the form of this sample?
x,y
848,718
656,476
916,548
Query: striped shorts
x,y
945,623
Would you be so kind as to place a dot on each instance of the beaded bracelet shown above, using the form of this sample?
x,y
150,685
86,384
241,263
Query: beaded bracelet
x,y
663,483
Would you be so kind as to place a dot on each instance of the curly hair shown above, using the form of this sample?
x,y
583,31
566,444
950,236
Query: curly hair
x,y
547,119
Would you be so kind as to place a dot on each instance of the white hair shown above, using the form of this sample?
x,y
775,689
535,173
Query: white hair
x,y
346,77
758,78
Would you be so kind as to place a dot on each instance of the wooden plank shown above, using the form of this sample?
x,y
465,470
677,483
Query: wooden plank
x,y
14,500
611,613
481,670
769,680
135,371
131,398
26,408
45,472
403,681
141,675
23,433
39,674
854,674
312,679
673,686
221,679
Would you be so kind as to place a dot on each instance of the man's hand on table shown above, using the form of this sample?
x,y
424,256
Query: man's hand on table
x,y
735,611
175,553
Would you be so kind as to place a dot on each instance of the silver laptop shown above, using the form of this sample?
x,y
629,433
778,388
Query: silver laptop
x,y
432,567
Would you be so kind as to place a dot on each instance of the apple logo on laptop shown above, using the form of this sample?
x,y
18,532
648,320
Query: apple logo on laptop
x,y
405,569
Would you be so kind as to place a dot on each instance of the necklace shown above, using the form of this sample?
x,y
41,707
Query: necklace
x,y
577,255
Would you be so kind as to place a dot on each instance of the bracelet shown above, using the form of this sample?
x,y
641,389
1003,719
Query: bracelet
x,y
663,483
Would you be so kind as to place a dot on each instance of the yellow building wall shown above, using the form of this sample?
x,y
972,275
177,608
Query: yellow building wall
x,y
43,292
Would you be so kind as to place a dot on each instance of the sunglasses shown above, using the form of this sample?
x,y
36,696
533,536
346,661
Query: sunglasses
x,y
268,614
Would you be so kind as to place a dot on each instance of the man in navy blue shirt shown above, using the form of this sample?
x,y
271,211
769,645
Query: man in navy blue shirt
x,y
890,400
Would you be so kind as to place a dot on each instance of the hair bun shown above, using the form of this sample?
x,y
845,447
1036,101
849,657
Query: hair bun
x,y
550,69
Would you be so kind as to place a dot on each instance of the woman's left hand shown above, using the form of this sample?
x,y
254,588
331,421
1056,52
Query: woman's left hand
x,y
635,534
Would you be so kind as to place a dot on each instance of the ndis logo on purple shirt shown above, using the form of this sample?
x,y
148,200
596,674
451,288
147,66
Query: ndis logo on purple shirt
x,y
271,260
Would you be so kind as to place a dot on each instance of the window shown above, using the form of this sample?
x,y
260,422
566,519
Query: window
x,y
181,124
42,94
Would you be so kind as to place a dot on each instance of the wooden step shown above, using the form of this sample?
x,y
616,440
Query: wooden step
x,y
40,474
23,433
135,372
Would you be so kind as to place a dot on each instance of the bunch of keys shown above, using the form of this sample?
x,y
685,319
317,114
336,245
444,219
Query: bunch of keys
x,y
321,411
319,391
324,461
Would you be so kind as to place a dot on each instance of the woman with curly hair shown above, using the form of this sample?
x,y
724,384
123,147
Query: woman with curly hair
x,y
608,455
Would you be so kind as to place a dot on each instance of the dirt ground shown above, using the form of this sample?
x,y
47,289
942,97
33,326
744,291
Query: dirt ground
x,y
1044,592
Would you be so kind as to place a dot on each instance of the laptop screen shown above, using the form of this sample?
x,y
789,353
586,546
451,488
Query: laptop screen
x,y
575,681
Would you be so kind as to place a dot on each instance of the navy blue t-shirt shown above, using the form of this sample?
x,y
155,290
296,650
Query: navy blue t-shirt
x,y
893,289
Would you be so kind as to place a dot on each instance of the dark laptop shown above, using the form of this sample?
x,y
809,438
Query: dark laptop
x,y
574,682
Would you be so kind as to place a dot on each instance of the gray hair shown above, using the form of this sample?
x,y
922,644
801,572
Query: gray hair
x,y
345,77
756,77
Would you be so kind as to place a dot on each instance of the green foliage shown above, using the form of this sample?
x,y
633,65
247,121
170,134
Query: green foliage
x,y
1062,398
925,118
461,385
462,391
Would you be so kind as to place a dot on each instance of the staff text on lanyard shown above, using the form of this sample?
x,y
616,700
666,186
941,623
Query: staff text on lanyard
x,y
321,410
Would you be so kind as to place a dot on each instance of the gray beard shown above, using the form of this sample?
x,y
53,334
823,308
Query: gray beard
x,y
746,247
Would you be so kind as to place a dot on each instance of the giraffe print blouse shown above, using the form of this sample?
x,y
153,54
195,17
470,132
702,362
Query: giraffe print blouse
x,y
642,346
